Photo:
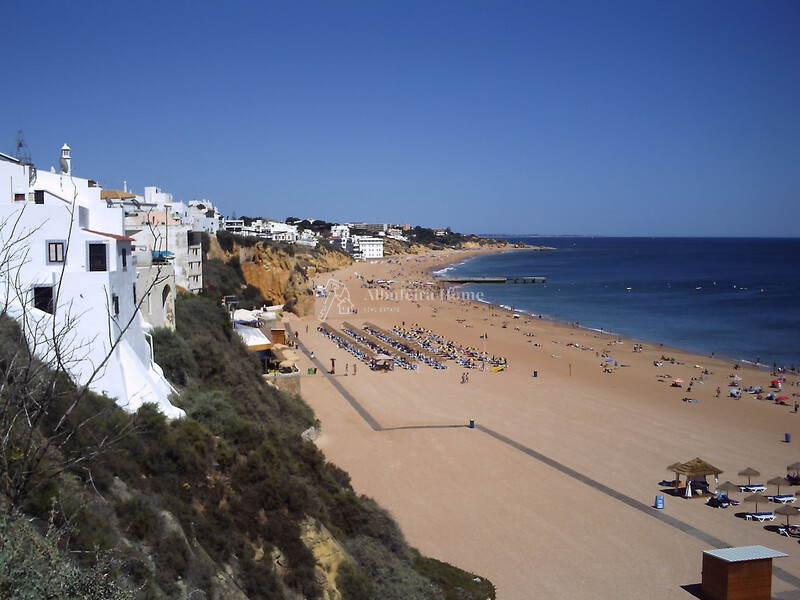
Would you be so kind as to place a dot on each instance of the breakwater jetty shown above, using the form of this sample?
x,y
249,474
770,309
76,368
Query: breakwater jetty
x,y
512,279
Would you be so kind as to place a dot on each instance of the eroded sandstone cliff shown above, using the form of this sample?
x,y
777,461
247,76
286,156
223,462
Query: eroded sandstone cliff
x,y
281,273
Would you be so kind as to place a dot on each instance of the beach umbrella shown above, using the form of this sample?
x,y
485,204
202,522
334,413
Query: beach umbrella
x,y
756,498
779,481
728,487
749,472
794,467
787,511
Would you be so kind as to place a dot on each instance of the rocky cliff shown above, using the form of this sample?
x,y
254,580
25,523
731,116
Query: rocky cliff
x,y
281,273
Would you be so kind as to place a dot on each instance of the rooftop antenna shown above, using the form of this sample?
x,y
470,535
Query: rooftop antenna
x,y
23,154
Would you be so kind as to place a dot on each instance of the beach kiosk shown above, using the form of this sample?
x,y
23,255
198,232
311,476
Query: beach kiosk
x,y
743,573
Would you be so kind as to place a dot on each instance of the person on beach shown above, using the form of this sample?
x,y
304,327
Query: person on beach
x,y
354,369
796,406
346,369
718,392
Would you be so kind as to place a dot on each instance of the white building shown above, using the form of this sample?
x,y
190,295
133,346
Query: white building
x,y
68,275
307,238
339,235
365,247
233,225
205,215
163,235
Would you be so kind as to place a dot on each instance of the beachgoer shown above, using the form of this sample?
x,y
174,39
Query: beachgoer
x,y
333,366
354,369
312,355
796,406
718,392
346,369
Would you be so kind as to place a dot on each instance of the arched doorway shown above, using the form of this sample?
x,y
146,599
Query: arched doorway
x,y
168,308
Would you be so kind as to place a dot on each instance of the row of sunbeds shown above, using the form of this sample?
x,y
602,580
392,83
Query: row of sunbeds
x,y
399,343
365,338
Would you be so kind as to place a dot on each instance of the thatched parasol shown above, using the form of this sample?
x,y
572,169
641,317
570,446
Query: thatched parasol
x,y
779,481
749,472
756,498
794,467
728,487
787,511
696,467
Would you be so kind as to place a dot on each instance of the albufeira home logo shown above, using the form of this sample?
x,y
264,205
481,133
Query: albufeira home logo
x,y
336,294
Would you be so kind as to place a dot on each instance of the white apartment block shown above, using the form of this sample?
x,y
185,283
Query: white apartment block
x,y
68,268
365,247
205,216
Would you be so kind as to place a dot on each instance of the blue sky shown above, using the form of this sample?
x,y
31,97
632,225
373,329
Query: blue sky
x,y
606,118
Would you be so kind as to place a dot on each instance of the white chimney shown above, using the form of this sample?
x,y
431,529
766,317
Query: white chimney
x,y
66,162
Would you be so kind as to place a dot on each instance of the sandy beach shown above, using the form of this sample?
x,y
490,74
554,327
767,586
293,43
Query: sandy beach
x,y
551,494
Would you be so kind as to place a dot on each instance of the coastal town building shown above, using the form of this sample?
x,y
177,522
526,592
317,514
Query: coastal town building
x,y
307,237
233,225
205,216
165,240
365,247
339,235
370,227
69,277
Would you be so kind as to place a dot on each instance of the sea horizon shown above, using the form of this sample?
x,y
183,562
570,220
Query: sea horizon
x,y
520,236
727,296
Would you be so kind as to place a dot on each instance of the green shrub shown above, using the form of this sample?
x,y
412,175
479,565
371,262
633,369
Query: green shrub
x,y
454,583
353,584
33,566
174,356
392,577
137,517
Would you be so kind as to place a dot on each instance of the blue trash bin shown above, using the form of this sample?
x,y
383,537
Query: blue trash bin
x,y
472,423
787,437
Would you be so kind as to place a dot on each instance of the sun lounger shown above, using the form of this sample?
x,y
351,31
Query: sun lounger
x,y
756,487
782,498
760,516
789,530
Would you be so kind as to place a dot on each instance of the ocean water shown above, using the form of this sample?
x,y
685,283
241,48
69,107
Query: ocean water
x,y
738,298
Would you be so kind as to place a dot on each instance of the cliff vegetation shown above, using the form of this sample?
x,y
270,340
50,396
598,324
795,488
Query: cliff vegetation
x,y
229,502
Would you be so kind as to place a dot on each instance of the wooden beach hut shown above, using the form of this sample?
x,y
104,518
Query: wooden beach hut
x,y
743,573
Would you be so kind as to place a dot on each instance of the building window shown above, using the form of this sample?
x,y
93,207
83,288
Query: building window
x,y
55,252
97,257
134,294
124,253
115,304
43,298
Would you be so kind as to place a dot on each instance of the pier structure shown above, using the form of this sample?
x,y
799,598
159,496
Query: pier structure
x,y
512,279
